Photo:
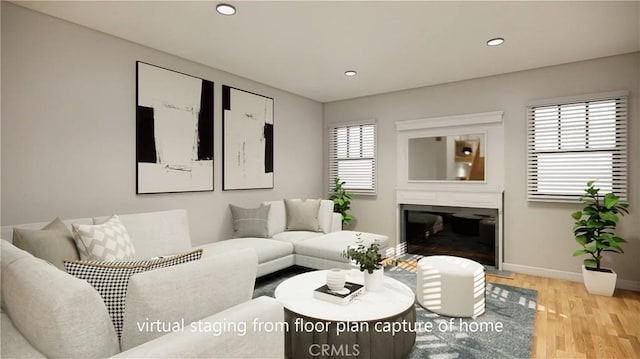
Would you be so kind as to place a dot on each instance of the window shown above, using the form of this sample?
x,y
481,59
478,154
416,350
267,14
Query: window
x,y
572,141
352,157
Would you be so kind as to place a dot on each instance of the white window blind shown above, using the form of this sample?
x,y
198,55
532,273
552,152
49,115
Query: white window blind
x,y
573,142
352,157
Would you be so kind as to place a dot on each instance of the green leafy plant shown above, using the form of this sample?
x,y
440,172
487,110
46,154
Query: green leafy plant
x,y
341,201
368,258
595,225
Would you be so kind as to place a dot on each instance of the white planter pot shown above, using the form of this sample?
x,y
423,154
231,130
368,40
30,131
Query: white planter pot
x,y
335,279
600,283
374,282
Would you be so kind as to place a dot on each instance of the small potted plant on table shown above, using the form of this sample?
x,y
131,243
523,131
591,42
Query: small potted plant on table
x,y
594,231
369,260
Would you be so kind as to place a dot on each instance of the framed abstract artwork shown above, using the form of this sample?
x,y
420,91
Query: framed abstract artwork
x,y
174,131
247,141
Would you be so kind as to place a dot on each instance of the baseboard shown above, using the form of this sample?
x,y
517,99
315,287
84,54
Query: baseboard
x,y
574,277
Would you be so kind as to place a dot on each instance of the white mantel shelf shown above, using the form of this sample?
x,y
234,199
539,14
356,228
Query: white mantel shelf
x,y
449,198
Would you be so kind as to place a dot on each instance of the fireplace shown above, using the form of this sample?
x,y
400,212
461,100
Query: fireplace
x,y
459,215
446,230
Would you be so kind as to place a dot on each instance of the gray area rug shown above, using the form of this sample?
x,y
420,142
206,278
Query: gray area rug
x,y
505,330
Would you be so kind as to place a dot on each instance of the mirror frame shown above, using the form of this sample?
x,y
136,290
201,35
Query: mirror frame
x,y
490,124
479,136
483,146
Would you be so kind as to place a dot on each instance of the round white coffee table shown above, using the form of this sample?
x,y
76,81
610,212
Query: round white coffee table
x,y
374,325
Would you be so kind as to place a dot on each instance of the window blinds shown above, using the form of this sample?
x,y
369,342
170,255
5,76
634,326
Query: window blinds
x,y
352,150
571,143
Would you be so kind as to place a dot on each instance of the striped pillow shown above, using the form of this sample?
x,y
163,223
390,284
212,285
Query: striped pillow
x,y
250,222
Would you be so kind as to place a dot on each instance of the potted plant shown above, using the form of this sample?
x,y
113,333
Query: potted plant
x,y
594,231
369,260
341,201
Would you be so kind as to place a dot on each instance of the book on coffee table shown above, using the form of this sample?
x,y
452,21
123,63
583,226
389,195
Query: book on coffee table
x,y
350,292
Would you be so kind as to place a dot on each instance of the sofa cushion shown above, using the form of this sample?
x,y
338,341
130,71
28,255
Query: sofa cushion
x,y
111,279
186,293
255,342
250,222
266,249
330,246
6,232
53,243
302,215
108,241
294,237
156,233
60,315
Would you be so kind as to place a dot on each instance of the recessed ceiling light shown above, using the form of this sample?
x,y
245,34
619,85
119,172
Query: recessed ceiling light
x,y
495,42
225,9
350,73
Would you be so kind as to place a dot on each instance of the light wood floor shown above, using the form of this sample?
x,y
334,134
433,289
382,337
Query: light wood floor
x,y
571,323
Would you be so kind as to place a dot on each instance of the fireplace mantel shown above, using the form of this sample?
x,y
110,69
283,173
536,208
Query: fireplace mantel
x,y
471,194
450,198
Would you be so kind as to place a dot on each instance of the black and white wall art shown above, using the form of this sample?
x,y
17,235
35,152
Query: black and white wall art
x,y
247,140
174,131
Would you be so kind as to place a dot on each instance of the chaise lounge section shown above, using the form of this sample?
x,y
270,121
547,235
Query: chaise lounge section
x,y
283,248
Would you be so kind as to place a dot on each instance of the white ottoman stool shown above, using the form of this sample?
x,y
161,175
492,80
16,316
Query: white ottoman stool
x,y
451,286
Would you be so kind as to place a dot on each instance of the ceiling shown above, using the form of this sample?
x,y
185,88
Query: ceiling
x,y
304,47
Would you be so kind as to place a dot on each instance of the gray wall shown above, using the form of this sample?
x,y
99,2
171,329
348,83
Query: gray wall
x,y
68,129
536,234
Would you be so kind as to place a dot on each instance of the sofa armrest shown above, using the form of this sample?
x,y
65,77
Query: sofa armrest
x,y
248,334
13,344
336,222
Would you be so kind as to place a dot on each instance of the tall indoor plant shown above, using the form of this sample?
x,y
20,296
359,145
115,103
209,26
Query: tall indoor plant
x,y
341,201
594,230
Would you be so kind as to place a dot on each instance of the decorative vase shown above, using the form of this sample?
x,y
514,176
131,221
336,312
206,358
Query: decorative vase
x,y
335,279
602,282
373,282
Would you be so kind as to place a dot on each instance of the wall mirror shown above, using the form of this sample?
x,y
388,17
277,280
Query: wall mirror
x,y
447,158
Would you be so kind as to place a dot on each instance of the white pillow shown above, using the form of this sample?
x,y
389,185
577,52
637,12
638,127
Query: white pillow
x,y
108,241
302,215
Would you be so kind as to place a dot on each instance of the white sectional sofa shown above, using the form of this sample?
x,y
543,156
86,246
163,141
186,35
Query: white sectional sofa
x,y
77,324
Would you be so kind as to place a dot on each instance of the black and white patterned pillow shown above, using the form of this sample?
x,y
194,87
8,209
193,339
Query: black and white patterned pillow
x,y
108,241
111,279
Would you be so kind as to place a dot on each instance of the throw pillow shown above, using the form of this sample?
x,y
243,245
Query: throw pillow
x,y
53,243
250,222
111,279
108,241
302,215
